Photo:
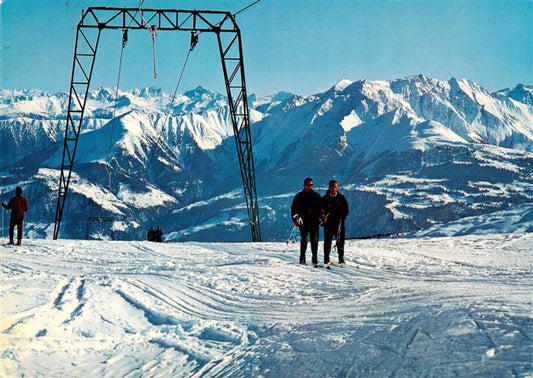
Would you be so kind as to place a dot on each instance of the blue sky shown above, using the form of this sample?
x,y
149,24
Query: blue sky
x,y
303,46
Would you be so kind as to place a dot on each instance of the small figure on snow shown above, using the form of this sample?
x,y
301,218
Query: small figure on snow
x,y
305,212
158,236
335,212
18,206
151,234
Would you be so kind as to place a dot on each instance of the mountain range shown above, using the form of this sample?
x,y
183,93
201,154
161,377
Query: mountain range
x,y
411,154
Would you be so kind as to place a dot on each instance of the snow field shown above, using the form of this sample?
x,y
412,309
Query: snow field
x,y
451,306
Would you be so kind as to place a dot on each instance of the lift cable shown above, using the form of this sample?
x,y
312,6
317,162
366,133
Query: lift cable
x,y
175,92
245,8
113,119
234,14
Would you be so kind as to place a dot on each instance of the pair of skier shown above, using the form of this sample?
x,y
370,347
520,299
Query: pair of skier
x,y
155,235
309,210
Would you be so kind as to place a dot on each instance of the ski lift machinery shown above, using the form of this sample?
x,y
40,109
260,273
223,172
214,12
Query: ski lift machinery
x,y
220,23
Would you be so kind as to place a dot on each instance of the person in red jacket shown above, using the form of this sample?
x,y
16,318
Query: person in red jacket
x,y
18,206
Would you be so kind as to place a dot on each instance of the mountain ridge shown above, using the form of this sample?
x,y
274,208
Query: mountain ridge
x,y
408,153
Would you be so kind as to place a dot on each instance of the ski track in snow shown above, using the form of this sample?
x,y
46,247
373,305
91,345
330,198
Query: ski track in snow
x,y
451,306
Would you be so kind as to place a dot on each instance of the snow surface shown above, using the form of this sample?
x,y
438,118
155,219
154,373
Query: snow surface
x,y
450,306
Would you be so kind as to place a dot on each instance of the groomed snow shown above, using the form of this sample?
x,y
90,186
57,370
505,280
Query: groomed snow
x,y
451,306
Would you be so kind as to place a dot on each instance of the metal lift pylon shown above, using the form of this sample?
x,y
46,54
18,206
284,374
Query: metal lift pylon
x,y
222,23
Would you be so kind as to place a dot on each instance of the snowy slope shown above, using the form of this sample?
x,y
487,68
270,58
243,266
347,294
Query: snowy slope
x,y
442,307
518,219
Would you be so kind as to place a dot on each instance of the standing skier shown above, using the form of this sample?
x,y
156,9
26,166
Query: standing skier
x,y
158,235
306,211
151,234
18,206
335,211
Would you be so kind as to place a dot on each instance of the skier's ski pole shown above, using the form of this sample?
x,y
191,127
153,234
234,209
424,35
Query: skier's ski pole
x,y
291,238
2,210
337,238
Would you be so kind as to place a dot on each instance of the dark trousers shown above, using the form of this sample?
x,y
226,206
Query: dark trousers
x,y
312,232
15,221
328,237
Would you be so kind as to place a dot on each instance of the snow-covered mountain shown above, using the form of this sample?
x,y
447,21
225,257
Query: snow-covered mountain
x,y
198,117
409,153
521,93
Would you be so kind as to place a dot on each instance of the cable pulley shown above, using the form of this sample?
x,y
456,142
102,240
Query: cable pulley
x,y
194,40
153,32
124,37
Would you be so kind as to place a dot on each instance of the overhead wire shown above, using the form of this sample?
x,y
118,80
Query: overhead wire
x,y
246,7
124,42
175,93
113,119
235,13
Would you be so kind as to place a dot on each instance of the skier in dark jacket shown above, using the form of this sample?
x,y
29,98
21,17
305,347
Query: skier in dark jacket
x,y
306,211
151,234
18,206
158,236
335,211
